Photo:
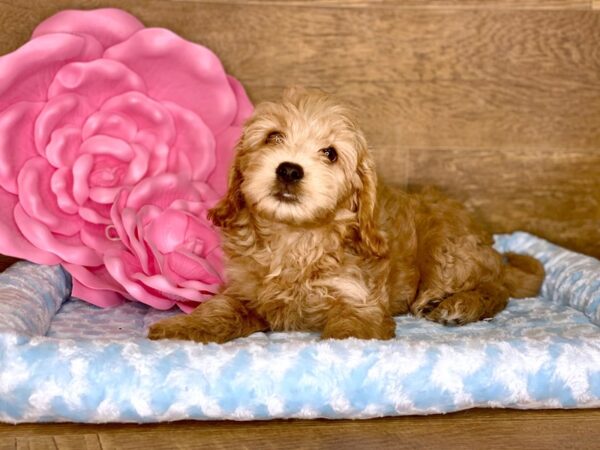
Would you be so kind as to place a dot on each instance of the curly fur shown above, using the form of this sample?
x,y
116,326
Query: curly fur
x,y
346,254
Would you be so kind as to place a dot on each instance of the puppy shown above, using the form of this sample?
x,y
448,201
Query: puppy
x,y
314,243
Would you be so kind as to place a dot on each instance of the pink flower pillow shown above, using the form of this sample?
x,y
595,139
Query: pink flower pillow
x,y
115,139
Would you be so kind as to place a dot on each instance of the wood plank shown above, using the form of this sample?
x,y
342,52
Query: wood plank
x,y
420,79
417,4
313,46
78,442
554,194
467,114
392,165
8,444
37,443
471,429
423,79
53,442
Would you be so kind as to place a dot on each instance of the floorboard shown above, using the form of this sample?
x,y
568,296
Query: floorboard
x,y
489,429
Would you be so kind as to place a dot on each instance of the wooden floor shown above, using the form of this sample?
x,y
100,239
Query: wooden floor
x,y
475,429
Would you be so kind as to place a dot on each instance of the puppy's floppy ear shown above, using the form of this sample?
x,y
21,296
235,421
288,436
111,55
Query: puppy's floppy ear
x,y
226,211
371,240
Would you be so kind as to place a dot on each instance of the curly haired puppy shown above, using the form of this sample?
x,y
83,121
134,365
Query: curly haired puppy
x,y
314,243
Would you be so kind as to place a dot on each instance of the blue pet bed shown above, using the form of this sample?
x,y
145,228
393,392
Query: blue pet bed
x,y
65,360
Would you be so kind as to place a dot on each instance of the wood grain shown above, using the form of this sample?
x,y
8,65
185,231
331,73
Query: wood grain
x,y
422,79
426,79
392,165
465,114
550,53
417,4
490,429
419,78
554,194
64,442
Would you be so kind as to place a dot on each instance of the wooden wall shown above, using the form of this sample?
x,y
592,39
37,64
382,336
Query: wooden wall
x,y
496,101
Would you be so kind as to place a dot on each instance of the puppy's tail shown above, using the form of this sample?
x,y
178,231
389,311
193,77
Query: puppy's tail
x,y
523,275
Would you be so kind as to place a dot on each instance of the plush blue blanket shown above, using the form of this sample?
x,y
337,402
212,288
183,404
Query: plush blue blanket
x,y
64,360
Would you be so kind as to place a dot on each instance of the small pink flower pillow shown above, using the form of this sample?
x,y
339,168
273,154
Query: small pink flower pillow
x,y
115,139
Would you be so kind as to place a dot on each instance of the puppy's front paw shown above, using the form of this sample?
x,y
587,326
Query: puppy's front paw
x,y
352,327
426,308
172,328
452,311
179,327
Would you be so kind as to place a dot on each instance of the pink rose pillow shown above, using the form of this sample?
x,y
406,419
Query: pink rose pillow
x,y
115,139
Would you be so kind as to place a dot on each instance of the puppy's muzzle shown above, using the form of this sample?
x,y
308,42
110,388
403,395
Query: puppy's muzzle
x,y
289,173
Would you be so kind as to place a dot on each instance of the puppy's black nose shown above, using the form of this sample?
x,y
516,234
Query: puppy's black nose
x,y
288,172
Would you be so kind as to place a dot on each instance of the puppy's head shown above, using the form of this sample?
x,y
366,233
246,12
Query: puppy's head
x,y
300,161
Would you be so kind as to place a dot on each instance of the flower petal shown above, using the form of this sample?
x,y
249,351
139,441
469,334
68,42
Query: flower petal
x,y
38,200
63,147
228,139
158,154
216,259
16,142
123,268
208,195
201,230
161,191
95,237
12,241
129,226
167,231
138,166
96,213
95,80
94,277
104,195
121,219
147,113
65,111
109,146
26,73
99,297
244,105
188,307
180,71
68,248
107,25
187,266
110,123
226,143
162,284
81,172
195,142
61,185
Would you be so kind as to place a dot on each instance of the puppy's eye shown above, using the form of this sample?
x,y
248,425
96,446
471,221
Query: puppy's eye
x,y
331,153
274,137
